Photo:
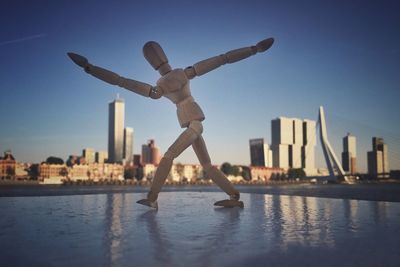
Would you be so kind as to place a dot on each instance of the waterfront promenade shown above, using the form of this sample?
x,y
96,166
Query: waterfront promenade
x,y
363,191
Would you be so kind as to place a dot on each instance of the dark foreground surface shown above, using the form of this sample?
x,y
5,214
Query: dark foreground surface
x,y
272,230
375,192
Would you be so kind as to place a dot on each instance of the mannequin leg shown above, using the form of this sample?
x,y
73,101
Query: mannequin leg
x,y
212,172
181,143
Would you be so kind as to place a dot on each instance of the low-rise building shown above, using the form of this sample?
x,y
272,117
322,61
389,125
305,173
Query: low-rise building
x,y
7,165
113,171
264,173
185,172
94,171
101,156
21,170
79,172
148,171
52,171
89,155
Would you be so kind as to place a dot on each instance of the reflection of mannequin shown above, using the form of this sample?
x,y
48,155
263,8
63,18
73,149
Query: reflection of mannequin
x,y
174,85
164,250
156,234
227,229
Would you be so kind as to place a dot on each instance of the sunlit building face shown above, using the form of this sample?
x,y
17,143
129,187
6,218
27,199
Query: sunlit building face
x,y
116,131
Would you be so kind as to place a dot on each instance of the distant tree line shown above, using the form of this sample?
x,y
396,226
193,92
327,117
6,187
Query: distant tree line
x,y
295,173
234,170
292,174
54,160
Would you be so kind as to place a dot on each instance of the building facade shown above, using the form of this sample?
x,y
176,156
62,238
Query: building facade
x,y
128,146
293,143
378,161
116,116
93,171
107,171
148,171
259,173
137,160
349,154
53,171
260,154
185,172
150,153
308,148
89,155
7,165
101,157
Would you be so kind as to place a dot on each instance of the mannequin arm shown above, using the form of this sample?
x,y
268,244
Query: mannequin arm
x,y
232,56
110,77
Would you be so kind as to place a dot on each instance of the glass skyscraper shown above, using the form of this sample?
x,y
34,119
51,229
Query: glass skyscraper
x,y
116,116
128,145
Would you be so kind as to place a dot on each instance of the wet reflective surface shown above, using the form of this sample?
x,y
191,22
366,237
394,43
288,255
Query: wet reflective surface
x,y
272,230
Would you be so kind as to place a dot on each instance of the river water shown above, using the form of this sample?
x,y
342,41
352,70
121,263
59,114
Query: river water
x,y
110,229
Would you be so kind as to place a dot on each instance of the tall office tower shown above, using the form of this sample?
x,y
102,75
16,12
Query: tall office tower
x,y
378,161
88,154
293,142
282,137
137,159
146,154
309,143
101,156
260,154
295,148
349,154
128,145
150,153
155,154
116,131
270,158
379,144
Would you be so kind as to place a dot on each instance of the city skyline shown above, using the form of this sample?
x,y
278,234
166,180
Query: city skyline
x,y
49,107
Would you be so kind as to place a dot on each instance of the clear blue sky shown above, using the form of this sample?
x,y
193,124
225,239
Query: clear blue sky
x,y
344,56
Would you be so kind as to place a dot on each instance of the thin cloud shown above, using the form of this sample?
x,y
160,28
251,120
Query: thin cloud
x,y
27,38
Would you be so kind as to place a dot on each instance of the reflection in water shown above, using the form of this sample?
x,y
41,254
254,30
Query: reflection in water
x,y
227,230
271,224
110,230
298,221
219,230
162,246
350,210
379,211
277,224
308,221
113,227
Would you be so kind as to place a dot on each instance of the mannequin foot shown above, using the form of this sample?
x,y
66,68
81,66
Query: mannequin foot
x,y
148,203
229,203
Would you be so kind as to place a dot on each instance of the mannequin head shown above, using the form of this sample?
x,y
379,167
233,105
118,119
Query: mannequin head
x,y
155,55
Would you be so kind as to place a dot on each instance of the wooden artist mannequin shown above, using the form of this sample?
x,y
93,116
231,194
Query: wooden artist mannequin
x,y
174,85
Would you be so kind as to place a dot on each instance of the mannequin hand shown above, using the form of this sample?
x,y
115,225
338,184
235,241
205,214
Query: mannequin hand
x,y
79,60
264,44
156,92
